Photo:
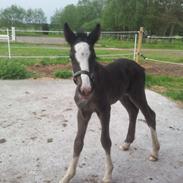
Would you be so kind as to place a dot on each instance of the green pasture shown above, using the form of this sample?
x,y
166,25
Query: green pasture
x,y
18,49
151,44
120,48
16,68
169,86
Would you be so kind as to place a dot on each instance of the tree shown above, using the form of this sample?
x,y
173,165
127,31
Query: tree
x,y
89,13
161,17
84,15
123,15
68,14
12,16
164,16
29,18
171,15
17,16
39,16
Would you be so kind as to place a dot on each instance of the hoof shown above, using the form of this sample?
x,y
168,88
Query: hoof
x,y
64,180
106,180
125,146
153,158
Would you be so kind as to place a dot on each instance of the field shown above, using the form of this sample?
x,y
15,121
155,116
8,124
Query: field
x,y
166,79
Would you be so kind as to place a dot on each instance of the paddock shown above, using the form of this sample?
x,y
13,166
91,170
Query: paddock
x,y
38,126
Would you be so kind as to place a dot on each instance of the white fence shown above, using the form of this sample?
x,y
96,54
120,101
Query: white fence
x,y
6,38
35,39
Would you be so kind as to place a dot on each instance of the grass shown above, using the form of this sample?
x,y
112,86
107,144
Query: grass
x,y
13,70
48,61
163,44
175,56
32,50
115,43
39,34
63,74
169,86
22,49
19,49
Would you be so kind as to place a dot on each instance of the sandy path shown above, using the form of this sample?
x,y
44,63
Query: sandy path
x,y
38,125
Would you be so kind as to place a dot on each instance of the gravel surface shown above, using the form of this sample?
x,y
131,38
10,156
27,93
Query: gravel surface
x,y
40,40
38,126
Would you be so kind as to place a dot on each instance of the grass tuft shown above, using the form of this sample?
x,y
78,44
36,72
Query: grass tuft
x,y
63,74
13,70
169,86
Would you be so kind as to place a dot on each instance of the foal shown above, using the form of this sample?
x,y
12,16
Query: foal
x,y
100,86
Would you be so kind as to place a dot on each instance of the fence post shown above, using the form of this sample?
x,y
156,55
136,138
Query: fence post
x,y
139,45
13,35
9,49
135,47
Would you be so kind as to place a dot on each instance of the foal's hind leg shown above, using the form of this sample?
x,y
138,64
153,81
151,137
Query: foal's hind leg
x,y
133,112
83,118
139,98
104,117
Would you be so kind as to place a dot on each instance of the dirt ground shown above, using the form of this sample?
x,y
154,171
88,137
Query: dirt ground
x,y
150,67
38,126
40,40
163,69
48,70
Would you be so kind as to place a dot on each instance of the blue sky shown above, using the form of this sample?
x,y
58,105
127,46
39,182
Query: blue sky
x,y
49,6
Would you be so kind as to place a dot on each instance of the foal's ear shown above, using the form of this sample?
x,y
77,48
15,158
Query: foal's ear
x,y
68,34
94,35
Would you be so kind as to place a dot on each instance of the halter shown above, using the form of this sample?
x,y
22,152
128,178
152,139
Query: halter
x,y
78,73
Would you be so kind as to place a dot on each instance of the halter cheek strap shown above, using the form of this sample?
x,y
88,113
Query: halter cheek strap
x,y
78,73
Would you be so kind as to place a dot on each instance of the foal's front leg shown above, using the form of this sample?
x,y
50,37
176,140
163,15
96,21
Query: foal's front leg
x,y
83,118
104,117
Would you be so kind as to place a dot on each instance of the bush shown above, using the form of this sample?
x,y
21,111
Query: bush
x,y
63,74
12,70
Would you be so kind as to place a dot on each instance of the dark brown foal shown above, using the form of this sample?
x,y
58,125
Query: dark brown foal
x,y
98,87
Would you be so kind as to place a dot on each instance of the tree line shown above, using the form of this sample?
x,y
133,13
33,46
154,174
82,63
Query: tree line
x,y
19,17
158,17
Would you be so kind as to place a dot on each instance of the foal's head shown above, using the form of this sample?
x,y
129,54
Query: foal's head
x,y
83,56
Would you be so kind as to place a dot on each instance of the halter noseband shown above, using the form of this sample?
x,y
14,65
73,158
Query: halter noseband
x,y
78,73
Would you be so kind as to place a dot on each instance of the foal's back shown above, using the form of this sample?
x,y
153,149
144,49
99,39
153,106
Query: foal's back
x,y
124,69
121,75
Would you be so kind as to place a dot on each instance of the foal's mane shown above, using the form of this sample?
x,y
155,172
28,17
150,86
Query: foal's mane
x,y
81,36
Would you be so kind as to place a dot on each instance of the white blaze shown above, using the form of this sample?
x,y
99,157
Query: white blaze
x,y
82,56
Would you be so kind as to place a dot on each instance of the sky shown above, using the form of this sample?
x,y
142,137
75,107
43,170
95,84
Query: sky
x,y
48,6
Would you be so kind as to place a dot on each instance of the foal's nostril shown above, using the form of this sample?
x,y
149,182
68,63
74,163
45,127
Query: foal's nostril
x,y
86,91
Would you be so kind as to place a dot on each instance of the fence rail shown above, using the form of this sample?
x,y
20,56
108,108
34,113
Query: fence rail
x,y
164,37
61,31
15,35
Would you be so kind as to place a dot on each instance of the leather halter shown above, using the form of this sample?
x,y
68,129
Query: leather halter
x,y
78,73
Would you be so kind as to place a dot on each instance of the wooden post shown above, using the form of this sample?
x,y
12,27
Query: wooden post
x,y
139,45
13,34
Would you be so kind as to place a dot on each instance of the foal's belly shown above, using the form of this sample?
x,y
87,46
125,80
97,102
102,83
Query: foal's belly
x,y
114,95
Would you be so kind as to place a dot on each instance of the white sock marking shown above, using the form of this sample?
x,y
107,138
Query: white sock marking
x,y
108,169
70,171
155,143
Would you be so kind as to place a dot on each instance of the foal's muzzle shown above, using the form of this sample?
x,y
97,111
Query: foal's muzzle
x,y
84,91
